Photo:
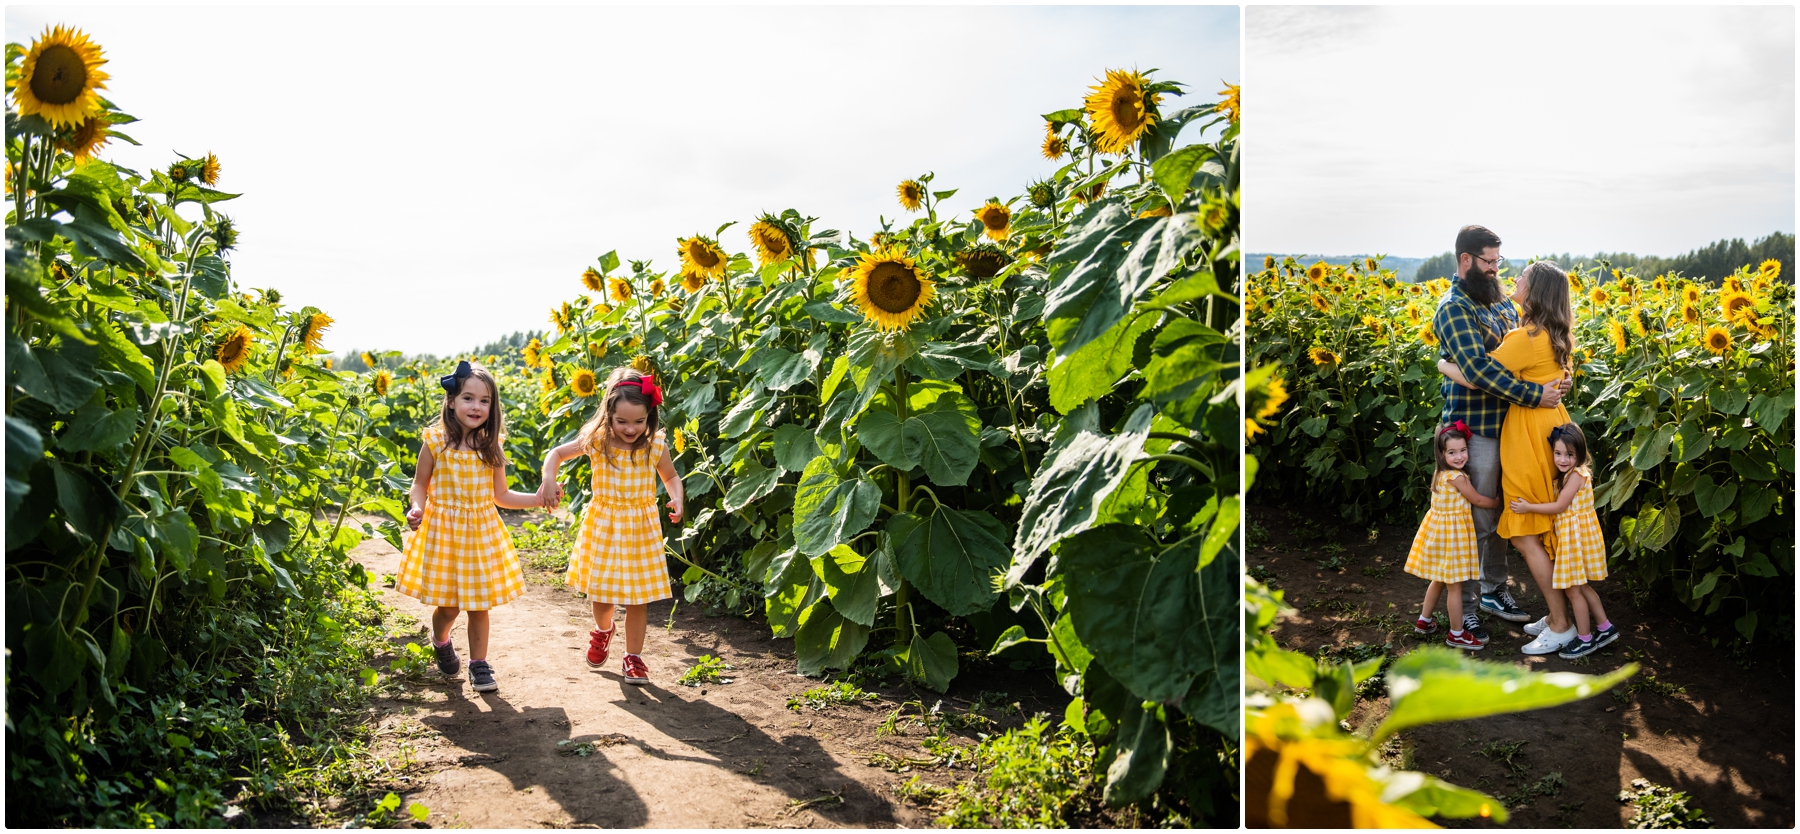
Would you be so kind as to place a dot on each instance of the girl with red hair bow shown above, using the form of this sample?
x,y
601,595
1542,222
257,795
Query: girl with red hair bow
x,y
618,558
1444,549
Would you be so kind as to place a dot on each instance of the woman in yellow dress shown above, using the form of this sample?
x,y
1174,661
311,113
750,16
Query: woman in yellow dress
x,y
1539,350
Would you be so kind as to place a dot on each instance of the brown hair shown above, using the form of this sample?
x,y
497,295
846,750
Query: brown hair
x,y
1470,241
484,439
1440,446
1570,435
1547,308
596,435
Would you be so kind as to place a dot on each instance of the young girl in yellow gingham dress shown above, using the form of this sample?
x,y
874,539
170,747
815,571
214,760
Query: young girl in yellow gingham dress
x,y
461,558
618,558
1444,549
1577,547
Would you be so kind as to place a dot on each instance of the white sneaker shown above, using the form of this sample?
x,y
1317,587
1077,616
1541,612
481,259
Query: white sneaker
x,y
1549,642
1538,627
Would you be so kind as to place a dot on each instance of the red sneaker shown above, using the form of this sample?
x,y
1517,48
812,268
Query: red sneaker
x,y
1424,625
597,642
1464,641
635,670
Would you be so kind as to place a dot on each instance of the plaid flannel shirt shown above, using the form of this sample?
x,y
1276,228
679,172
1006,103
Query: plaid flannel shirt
x,y
1466,331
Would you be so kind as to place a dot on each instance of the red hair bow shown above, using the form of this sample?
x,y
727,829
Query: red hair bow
x,y
1460,428
646,384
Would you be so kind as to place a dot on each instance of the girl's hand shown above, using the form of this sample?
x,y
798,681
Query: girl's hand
x,y
1519,506
676,509
414,517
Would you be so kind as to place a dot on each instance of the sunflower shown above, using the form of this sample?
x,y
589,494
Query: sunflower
x,y
1233,104
1321,356
1041,194
1599,297
1268,262
583,383
1374,325
224,233
1717,340
87,139
383,379
1416,289
178,172
1616,332
1277,395
59,78
1635,317
772,241
657,287
996,219
680,441
633,342
369,359
642,364
1737,307
1251,430
1690,313
593,280
533,353
1770,269
1313,783
1412,314
983,260
693,281
1161,210
1660,284
234,351
889,289
325,363
209,170
911,193
1732,284
1428,334
703,255
619,289
1121,109
1319,302
603,309
598,349
312,332
548,382
1316,272
1690,294
1054,145
1575,285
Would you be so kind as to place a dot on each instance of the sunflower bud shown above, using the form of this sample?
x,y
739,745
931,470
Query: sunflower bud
x,y
355,400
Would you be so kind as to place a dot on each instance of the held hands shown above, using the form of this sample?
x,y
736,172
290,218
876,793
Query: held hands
x,y
550,495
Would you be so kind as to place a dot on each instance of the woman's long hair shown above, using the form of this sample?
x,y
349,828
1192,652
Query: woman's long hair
x,y
485,439
597,435
1547,308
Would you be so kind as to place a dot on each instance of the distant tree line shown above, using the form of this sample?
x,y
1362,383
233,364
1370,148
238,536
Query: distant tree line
x,y
352,360
1708,264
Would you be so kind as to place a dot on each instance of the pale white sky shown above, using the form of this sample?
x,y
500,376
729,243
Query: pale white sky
x,y
1652,130
437,177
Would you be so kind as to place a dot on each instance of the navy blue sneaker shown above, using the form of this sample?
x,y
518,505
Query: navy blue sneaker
x,y
1577,649
1500,604
446,658
481,676
1472,627
1606,635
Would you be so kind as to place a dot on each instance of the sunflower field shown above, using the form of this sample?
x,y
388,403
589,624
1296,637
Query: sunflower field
x,y
183,627
1684,390
1009,427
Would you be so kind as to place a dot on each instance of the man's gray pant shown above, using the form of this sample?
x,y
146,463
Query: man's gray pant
x,y
1483,470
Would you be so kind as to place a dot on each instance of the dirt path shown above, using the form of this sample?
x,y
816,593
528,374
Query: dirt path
x,y
1696,721
661,755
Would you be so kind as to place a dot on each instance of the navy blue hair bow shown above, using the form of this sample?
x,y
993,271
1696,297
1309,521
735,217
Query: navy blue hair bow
x,y
1557,433
449,381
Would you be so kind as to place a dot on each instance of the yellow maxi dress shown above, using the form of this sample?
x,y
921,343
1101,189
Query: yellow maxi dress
x,y
462,554
1526,469
1580,547
618,554
1444,549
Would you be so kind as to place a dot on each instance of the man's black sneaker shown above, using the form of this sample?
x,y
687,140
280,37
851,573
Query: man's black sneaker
x,y
1473,626
1500,604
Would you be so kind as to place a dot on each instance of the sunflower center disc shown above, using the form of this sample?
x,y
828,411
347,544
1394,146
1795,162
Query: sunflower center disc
x,y
893,287
702,256
993,220
1125,110
60,75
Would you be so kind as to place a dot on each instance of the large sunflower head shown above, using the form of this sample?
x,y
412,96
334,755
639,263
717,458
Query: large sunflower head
x,y
983,260
1575,285
1717,340
890,290
88,139
703,255
693,281
1412,314
771,239
1428,334
1055,146
1770,269
234,350
1316,272
1690,313
995,219
383,380
1599,297
1737,307
60,77
1321,356
312,332
1121,108
911,194
1690,293
593,280
619,289
1232,105
583,383
1616,332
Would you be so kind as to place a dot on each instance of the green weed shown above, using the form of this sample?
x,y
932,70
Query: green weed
x,y
821,698
1662,807
1024,778
707,669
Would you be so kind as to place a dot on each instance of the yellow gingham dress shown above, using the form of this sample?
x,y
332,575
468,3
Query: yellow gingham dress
x,y
618,554
1444,550
462,554
1578,547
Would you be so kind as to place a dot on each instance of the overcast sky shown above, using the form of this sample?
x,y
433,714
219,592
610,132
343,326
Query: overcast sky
x,y
1652,130
435,178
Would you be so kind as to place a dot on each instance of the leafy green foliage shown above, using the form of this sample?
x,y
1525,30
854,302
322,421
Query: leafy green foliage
x,y
707,669
1023,777
837,694
1659,806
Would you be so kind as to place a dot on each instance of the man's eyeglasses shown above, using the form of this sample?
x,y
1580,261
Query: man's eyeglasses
x,y
1490,263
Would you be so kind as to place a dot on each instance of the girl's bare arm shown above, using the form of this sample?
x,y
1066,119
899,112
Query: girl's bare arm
x,y
665,467
415,513
509,499
1571,485
1468,491
1455,374
548,487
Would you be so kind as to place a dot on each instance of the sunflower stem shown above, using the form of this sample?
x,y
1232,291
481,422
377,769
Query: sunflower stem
x,y
902,492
